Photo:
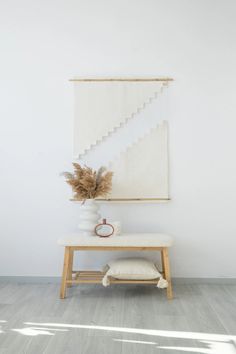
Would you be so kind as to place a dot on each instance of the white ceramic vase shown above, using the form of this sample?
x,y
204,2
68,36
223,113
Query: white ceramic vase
x,y
89,217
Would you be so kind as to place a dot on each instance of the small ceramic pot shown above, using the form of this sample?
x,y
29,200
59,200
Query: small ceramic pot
x,y
104,229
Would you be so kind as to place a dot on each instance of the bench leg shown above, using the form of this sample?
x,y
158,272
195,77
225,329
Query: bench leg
x,y
166,270
65,272
71,257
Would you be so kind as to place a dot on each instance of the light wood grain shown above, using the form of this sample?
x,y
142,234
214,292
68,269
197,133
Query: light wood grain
x,y
65,272
70,269
113,79
166,264
116,248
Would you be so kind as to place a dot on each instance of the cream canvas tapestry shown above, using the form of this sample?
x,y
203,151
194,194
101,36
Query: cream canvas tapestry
x,y
142,171
120,124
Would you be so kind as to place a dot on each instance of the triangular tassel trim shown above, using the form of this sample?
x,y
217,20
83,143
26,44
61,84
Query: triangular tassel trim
x,y
162,283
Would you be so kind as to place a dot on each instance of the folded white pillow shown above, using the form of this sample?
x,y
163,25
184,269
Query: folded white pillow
x,y
133,269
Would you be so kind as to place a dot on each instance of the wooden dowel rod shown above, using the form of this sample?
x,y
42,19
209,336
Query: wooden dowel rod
x,y
127,199
112,281
123,79
92,281
87,272
91,275
95,273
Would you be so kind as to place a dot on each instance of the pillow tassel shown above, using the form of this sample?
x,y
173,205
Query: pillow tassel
x,y
105,280
162,283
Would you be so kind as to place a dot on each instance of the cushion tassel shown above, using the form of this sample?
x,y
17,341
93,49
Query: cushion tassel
x,y
162,283
105,280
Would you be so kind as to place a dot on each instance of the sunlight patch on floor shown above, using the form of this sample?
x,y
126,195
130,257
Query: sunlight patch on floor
x,y
151,332
208,343
134,341
214,348
35,331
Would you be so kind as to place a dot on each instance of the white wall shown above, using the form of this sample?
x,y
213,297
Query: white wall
x,y
43,44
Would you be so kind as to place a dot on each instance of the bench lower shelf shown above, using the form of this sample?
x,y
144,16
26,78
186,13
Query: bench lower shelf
x,y
70,276
96,277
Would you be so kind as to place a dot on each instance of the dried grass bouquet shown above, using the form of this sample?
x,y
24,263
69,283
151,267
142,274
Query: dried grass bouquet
x,y
87,183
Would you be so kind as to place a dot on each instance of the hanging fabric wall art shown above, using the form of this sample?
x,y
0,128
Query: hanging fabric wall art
x,y
121,123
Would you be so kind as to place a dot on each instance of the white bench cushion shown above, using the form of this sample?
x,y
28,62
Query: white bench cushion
x,y
124,240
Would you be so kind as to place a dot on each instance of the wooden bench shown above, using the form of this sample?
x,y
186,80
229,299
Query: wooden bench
x,y
124,242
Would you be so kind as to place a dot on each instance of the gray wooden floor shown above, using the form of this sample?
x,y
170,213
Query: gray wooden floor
x,y
117,320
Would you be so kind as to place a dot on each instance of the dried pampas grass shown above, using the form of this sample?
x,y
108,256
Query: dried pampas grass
x,y
87,183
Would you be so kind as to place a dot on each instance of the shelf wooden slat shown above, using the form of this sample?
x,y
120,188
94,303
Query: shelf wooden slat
x,y
96,277
131,79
